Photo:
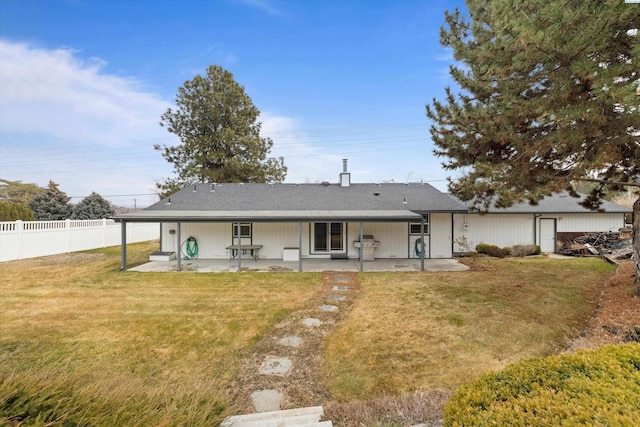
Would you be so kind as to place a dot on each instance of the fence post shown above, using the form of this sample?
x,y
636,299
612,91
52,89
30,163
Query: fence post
x,y
67,226
19,230
104,232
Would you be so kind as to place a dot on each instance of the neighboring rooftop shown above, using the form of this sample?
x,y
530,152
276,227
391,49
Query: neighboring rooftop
x,y
557,203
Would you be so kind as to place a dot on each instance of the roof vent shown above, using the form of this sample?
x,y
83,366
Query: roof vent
x,y
325,183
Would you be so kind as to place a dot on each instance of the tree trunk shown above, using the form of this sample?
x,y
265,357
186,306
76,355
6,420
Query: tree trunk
x,y
636,237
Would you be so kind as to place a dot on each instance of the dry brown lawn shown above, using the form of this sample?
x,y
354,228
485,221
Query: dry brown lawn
x,y
82,342
90,344
423,331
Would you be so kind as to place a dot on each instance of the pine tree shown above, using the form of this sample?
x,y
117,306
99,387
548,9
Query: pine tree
x,y
93,206
51,205
547,99
17,191
13,211
219,135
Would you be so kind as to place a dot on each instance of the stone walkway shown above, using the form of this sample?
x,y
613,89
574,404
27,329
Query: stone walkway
x,y
284,369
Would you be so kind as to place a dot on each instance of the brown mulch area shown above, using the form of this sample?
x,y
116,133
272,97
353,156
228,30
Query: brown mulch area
x,y
617,312
303,385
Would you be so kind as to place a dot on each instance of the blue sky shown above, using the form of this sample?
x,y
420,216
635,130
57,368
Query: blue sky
x,y
83,84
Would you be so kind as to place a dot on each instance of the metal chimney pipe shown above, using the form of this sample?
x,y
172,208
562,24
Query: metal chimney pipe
x,y
344,165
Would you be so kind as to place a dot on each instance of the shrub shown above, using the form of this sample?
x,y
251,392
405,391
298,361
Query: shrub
x,y
633,334
598,387
525,250
481,248
492,250
495,251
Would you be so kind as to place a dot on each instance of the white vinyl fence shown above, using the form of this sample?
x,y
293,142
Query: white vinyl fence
x,y
30,239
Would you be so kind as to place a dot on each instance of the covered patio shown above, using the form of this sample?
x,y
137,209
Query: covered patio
x,y
322,226
310,265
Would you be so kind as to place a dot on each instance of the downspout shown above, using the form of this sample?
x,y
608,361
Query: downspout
x,y
123,247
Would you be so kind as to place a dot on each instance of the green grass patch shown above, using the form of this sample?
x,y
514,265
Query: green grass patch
x,y
419,331
82,343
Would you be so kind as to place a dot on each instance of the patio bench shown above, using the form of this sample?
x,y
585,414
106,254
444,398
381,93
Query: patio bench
x,y
254,251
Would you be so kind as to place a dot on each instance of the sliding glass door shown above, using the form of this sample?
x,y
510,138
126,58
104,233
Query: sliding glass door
x,y
328,237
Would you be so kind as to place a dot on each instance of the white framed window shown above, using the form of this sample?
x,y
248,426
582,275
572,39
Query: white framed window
x,y
245,230
414,227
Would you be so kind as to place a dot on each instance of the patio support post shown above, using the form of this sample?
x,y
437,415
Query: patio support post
x,y
422,243
239,246
179,247
361,250
123,242
300,247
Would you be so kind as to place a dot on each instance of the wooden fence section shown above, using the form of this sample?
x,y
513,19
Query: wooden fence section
x,y
30,239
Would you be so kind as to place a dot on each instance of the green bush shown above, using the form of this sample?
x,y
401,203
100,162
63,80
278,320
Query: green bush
x,y
594,388
481,248
492,250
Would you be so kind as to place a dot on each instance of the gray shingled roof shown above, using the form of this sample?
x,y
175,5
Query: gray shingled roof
x,y
557,203
279,202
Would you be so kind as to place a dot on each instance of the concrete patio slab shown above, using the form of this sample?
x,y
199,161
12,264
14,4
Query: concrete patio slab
x,y
308,265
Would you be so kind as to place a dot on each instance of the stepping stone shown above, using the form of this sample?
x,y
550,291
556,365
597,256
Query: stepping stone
x,y
342,279
275,366
340,288
267,400
334,297
290,341
327,307
311,322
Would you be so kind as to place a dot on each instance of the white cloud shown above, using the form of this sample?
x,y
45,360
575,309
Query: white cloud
x,y
55,93
67,119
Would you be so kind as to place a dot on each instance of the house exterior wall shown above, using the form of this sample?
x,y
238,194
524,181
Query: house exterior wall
x,y
591,222
394,238
494,229
440,235
519,229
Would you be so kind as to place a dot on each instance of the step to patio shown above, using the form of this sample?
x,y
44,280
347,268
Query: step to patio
x,y
300,417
